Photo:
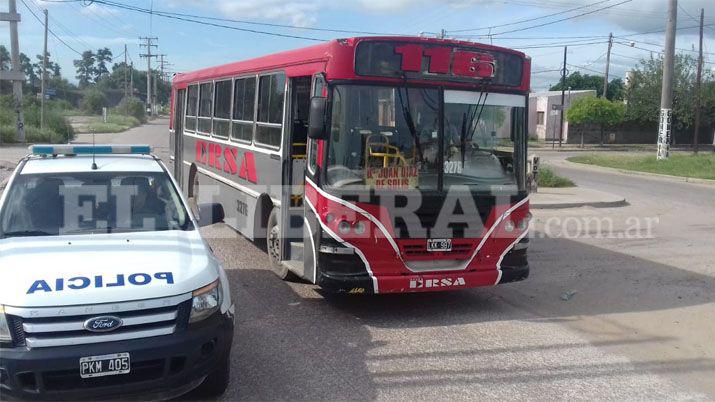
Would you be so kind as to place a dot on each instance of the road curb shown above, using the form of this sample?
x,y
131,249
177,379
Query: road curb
x,y
575,197
594,204
681,179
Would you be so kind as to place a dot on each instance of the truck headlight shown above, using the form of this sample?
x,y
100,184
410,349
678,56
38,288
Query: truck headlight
x,y
4,328
205,301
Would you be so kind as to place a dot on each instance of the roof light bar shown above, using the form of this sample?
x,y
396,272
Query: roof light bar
x,y
90,149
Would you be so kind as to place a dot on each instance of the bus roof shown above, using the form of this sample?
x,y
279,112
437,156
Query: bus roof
x,y
334,57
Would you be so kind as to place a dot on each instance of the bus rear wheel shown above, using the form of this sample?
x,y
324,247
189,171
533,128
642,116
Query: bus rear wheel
x,y
273,246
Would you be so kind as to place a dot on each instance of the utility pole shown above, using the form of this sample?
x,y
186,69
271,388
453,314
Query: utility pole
x,y
160,73
155,78
666,95
563,96
148,45
131,79
162,64
608,65
44,77
126,71
15,74
698,78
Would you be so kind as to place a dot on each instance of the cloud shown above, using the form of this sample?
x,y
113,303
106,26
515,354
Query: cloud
x,y
298,13
99,10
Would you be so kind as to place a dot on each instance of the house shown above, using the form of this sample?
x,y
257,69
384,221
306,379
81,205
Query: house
x,y
544,113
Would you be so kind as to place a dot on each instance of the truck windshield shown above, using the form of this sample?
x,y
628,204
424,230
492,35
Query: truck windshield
x,y
389,138
88,203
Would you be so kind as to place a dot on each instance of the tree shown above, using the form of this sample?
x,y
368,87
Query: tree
x,y
26,67
597,111
85,68
643,93
53,69
577,81
4,58
103,57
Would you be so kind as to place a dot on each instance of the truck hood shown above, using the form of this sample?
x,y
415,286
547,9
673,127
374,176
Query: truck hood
x,y
103,268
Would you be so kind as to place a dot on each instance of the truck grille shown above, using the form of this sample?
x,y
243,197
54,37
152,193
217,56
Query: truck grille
x,y
61,326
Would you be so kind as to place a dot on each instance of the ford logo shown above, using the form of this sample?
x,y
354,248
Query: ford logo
x,y
104,323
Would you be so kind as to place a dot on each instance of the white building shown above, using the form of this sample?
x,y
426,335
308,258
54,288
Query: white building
x,y
544,113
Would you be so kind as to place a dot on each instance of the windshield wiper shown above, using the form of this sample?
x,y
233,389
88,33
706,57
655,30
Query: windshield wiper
x,y
410,122
471,126
24,233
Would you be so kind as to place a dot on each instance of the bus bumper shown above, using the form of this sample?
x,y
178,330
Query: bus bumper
x,y
428,282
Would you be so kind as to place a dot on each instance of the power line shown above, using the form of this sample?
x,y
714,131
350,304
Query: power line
x,y
530,19
558,45
564,19
63,28
660,45
191,17
626,36
48,29
585,68
482,36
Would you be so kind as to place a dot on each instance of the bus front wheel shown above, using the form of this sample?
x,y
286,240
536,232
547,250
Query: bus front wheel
x,y
273,246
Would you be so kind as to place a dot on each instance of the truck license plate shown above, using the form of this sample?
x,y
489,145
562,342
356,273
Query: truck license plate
x,y
439,244
100,366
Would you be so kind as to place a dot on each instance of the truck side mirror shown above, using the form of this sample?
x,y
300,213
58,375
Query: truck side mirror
x,y
210,214
316,121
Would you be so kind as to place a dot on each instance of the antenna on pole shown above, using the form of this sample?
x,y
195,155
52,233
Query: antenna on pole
x,y
94,150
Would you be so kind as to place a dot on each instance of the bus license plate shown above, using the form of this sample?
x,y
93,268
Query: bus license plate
x,y
439,244
100,366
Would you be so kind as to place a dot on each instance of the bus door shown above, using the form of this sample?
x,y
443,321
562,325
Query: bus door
x,y
311,227
295,154
179,134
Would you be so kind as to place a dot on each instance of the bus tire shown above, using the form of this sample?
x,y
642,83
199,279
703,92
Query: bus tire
x,y
273,247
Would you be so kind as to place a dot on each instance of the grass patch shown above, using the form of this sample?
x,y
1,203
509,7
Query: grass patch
x,y
547,178
701,166
115,124
33,135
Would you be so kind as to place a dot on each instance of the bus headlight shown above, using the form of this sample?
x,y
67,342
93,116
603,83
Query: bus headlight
x,y
344,227
360,227
524,223
509,225
205,301
4,328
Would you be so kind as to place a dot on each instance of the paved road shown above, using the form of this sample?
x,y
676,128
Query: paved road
x,y
637,322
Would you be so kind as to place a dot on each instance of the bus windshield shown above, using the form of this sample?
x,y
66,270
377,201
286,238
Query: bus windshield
x,y
388,138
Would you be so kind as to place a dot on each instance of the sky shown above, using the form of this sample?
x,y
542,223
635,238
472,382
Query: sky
x,y
82,25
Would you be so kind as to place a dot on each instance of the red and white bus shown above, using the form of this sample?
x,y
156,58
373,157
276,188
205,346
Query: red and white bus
x,y
367,165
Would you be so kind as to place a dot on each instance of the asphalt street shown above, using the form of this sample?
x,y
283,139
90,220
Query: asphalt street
x,y
619,305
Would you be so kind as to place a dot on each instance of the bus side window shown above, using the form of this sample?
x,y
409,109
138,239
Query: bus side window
x,y
244,103
313,155
222,108
271,93
206,98
192,101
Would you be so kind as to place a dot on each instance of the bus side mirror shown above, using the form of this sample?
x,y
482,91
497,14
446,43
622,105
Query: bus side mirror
x,y
316,121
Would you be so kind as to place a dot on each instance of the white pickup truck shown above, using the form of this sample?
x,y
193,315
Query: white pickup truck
x,y
107,289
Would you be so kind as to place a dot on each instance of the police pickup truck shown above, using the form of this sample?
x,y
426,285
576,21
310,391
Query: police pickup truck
x,y
107,289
